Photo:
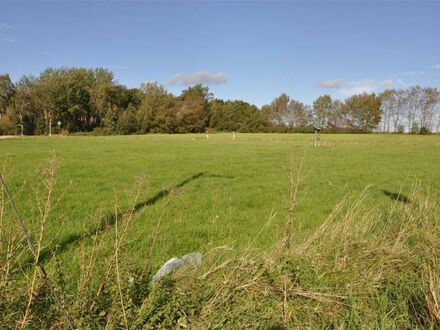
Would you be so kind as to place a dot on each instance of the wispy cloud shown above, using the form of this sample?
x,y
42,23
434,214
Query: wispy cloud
x,y
5,33
9,40
401,83
119,67
395,52
4,26
414,73
199,77
357,87
48,53
436,66
386,84
330,84
364,87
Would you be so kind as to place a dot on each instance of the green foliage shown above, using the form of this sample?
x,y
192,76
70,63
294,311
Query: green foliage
x,y
127,121
7,91
322,108
424,131
288,115
6,126
156,112
86,100
362,112
415,128
401,129
236,116
192,109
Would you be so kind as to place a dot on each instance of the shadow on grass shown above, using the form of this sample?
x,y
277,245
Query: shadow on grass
x,y
108,220
397,196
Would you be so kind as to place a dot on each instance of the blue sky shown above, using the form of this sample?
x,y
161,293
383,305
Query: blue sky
x,y
251,50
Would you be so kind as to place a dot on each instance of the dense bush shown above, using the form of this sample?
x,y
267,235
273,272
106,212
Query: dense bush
x,y
6,127
424,131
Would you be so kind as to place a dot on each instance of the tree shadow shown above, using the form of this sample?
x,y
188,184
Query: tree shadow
x,y
108,220
221,176
397,196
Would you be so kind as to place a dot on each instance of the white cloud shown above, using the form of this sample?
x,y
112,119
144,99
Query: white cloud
x,y
199,77
330,84
350,90
357,87
387,84
436,66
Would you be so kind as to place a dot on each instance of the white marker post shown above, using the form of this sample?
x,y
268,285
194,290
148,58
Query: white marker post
x,y
207,135
233,135
317,136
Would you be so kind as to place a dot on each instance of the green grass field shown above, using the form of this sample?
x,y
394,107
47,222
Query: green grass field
x,y
359,249
222,192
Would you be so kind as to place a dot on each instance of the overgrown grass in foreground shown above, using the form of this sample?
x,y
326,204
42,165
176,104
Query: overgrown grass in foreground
x,y
361,268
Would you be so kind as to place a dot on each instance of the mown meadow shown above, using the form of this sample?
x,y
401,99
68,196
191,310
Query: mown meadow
x,y
136,201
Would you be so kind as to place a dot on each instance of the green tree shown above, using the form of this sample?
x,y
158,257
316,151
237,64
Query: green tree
x,y
276,111
7,91
335,115
156,110
322,109
286,114
127,121
80,98
236,116
298,116
27,108
192,109
362,112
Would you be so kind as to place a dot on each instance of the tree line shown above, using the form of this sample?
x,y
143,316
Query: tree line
x,y
71,100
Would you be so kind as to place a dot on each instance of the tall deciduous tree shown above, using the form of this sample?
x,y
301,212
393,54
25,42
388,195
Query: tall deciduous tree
x,y
7,90
156,111
236,116
298,116
276,111
322,108
362,112
192,111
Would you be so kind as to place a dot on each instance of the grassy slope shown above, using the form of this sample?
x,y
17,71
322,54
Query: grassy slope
x,y
240,182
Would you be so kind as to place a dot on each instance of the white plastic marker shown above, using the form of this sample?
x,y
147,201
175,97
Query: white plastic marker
x,y
233,135
317,136
207,135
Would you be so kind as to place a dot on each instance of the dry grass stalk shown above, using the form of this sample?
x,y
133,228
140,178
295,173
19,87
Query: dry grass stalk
x,y
295,177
